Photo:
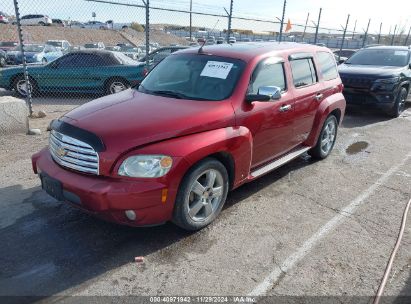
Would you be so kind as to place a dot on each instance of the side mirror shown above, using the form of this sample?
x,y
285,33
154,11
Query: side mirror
x,y
409,65
341,61
272,91
265,94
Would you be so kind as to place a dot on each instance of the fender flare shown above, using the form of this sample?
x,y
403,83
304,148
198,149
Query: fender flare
x,y
327,106
235,142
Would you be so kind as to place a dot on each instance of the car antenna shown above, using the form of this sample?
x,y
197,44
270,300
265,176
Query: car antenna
x,y
200,50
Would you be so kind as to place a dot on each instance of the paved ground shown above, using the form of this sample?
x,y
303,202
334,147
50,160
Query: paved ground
x,y
308,229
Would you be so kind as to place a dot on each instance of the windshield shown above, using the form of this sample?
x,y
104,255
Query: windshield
x,y
55,43
193,76
124,59
91,45
380,57
7,43
37,48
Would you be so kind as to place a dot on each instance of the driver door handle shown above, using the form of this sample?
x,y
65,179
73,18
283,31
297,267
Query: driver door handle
x,y
285,108
319,96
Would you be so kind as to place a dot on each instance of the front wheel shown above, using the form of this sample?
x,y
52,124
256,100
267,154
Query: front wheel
x,y
201,195
116,85
326,140
399,105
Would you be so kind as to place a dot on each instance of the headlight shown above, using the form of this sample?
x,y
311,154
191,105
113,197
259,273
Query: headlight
x,y
388,80
149,166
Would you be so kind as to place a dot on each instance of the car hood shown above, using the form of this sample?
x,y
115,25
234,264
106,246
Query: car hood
x,y
130,119
369,70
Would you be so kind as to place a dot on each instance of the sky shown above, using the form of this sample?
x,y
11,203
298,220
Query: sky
x,y
334,13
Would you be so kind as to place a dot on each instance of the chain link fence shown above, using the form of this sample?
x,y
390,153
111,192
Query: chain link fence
x,y
63,54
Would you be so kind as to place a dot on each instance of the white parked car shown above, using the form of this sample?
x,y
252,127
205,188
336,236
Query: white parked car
x,y
62,45
36,20
96,25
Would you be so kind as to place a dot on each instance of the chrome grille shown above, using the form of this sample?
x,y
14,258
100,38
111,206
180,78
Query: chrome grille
x,y
73,153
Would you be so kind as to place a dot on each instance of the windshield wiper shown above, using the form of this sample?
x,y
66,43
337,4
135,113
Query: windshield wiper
x,y
170,93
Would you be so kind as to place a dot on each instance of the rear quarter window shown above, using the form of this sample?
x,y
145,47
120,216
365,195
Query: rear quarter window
x,y
303,71
327,65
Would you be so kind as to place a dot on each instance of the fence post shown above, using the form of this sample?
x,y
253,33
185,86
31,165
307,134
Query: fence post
x,y
229,21
282,21
366,33
305,27
29,99
147,5
408,36
191,20
353,32
318,24
393,35
343,38
379,34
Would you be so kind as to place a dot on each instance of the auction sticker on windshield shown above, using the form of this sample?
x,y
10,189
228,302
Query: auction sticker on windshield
x,y
216,69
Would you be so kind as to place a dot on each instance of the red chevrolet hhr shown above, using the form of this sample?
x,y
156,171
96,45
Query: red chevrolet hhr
x,y
204,121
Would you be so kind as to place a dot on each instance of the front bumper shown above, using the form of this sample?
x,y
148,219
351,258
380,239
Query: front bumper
x,y
378,98
108,197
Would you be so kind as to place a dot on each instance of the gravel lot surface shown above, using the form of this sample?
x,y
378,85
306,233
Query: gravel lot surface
x,y
308,229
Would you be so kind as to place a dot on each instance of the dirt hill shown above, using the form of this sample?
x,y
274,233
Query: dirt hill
x,y
79,36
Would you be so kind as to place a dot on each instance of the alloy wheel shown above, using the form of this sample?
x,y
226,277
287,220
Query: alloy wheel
x,y
328,137
205,195
116,87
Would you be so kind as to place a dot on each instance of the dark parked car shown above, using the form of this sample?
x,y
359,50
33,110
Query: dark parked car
x,y
3,58
199,125
161,53
345,53
88,71
7,45
58,22
378,76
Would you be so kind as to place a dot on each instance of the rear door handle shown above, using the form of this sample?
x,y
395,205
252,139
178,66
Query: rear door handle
x,y
319,96
285,108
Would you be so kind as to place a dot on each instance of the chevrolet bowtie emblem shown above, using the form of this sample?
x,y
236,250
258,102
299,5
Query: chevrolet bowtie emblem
x,y
61,152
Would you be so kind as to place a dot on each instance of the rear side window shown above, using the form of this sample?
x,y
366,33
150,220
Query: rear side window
x,y
327,65
268,73
303,71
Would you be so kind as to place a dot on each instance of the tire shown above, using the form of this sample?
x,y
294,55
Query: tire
x,y
116,85
42,23
44,61
326,139
2,62
399,105
196,204
18,86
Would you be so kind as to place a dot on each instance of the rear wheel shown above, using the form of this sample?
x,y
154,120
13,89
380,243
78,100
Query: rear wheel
x,y
399,105
326,140
201,195
116,85
21,86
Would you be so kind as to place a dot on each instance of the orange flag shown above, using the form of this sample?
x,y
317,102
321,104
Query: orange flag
x,y
288,27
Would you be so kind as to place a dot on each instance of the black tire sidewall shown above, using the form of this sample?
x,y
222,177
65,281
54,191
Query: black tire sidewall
x,y
180,214
317,152
396,108
33,86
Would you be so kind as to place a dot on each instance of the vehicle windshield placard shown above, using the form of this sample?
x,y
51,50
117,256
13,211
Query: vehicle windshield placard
x,y
216,69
